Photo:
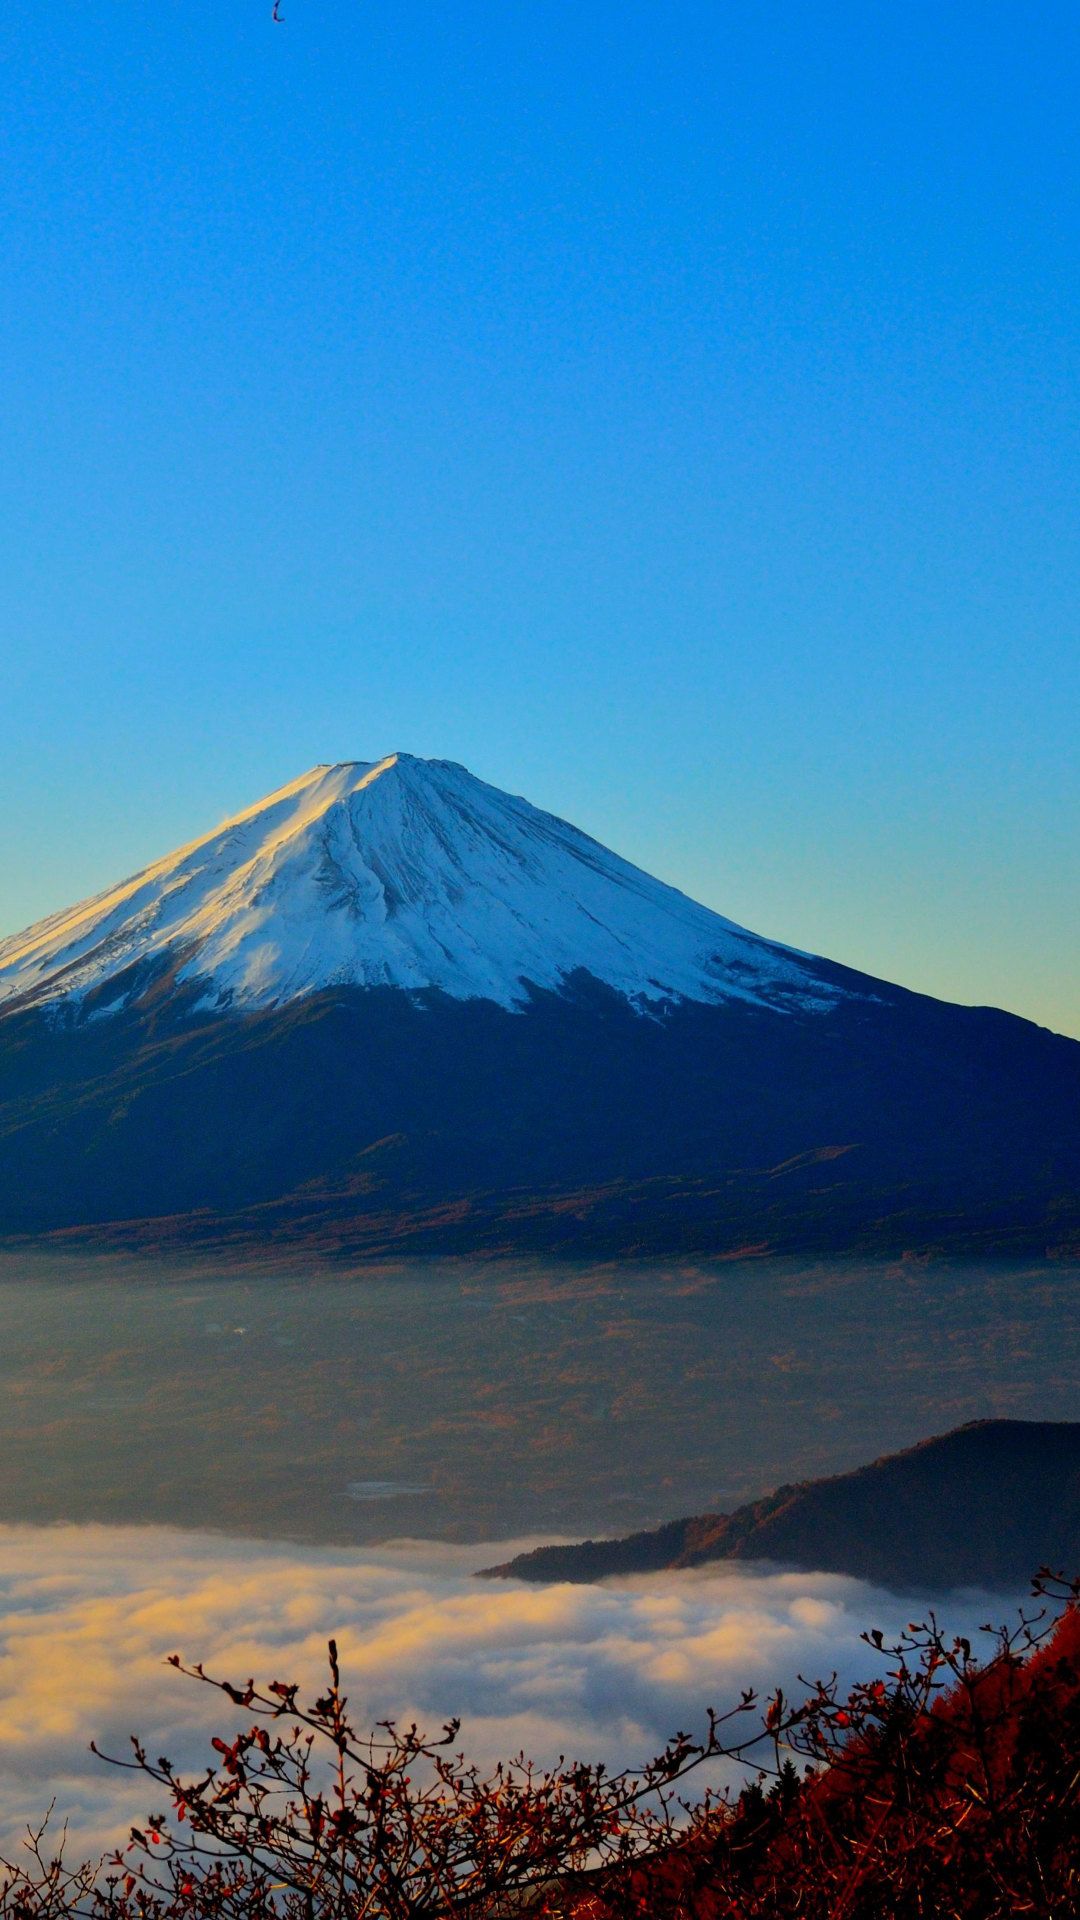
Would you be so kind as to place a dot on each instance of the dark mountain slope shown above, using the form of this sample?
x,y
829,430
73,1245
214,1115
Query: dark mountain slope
x,y
985,1505
391,1006
375,1117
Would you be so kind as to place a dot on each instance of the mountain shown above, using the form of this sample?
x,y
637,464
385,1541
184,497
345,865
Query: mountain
x,y
393,1008
399,873
986,1505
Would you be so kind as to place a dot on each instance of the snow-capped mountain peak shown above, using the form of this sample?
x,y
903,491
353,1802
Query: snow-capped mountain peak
x,y
404,873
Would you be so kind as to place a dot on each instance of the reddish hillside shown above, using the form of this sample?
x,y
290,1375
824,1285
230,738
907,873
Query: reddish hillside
x,y
964,1802
945,1789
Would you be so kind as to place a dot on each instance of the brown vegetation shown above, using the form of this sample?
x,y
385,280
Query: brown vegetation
x,y
944,1787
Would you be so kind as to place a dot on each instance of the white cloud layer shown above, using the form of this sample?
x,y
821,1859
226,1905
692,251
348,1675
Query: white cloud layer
x,y
89,1614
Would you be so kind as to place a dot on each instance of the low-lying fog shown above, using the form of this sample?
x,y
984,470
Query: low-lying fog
x,y
451,1401
88,1616
235,1467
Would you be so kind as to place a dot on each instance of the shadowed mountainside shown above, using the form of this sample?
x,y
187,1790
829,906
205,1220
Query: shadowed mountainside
x,y
360,1122
392,1009
984,1505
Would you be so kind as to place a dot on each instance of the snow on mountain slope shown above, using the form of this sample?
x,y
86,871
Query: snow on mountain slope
x,y
407,873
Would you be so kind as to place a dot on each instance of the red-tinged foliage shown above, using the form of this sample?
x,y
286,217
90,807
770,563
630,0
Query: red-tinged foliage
x,y
946,1788
953,1790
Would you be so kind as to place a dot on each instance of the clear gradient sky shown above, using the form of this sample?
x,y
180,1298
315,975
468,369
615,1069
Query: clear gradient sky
x,y
672,412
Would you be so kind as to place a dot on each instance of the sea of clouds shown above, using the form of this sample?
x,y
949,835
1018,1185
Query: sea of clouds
x,y
89,1614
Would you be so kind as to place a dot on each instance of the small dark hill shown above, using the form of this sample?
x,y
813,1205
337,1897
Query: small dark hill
x,y
985,1505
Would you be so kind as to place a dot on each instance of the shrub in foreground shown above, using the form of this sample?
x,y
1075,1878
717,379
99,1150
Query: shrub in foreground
x,y
946,1787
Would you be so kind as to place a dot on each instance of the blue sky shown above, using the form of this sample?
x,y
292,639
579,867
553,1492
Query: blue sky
x,y
670,412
